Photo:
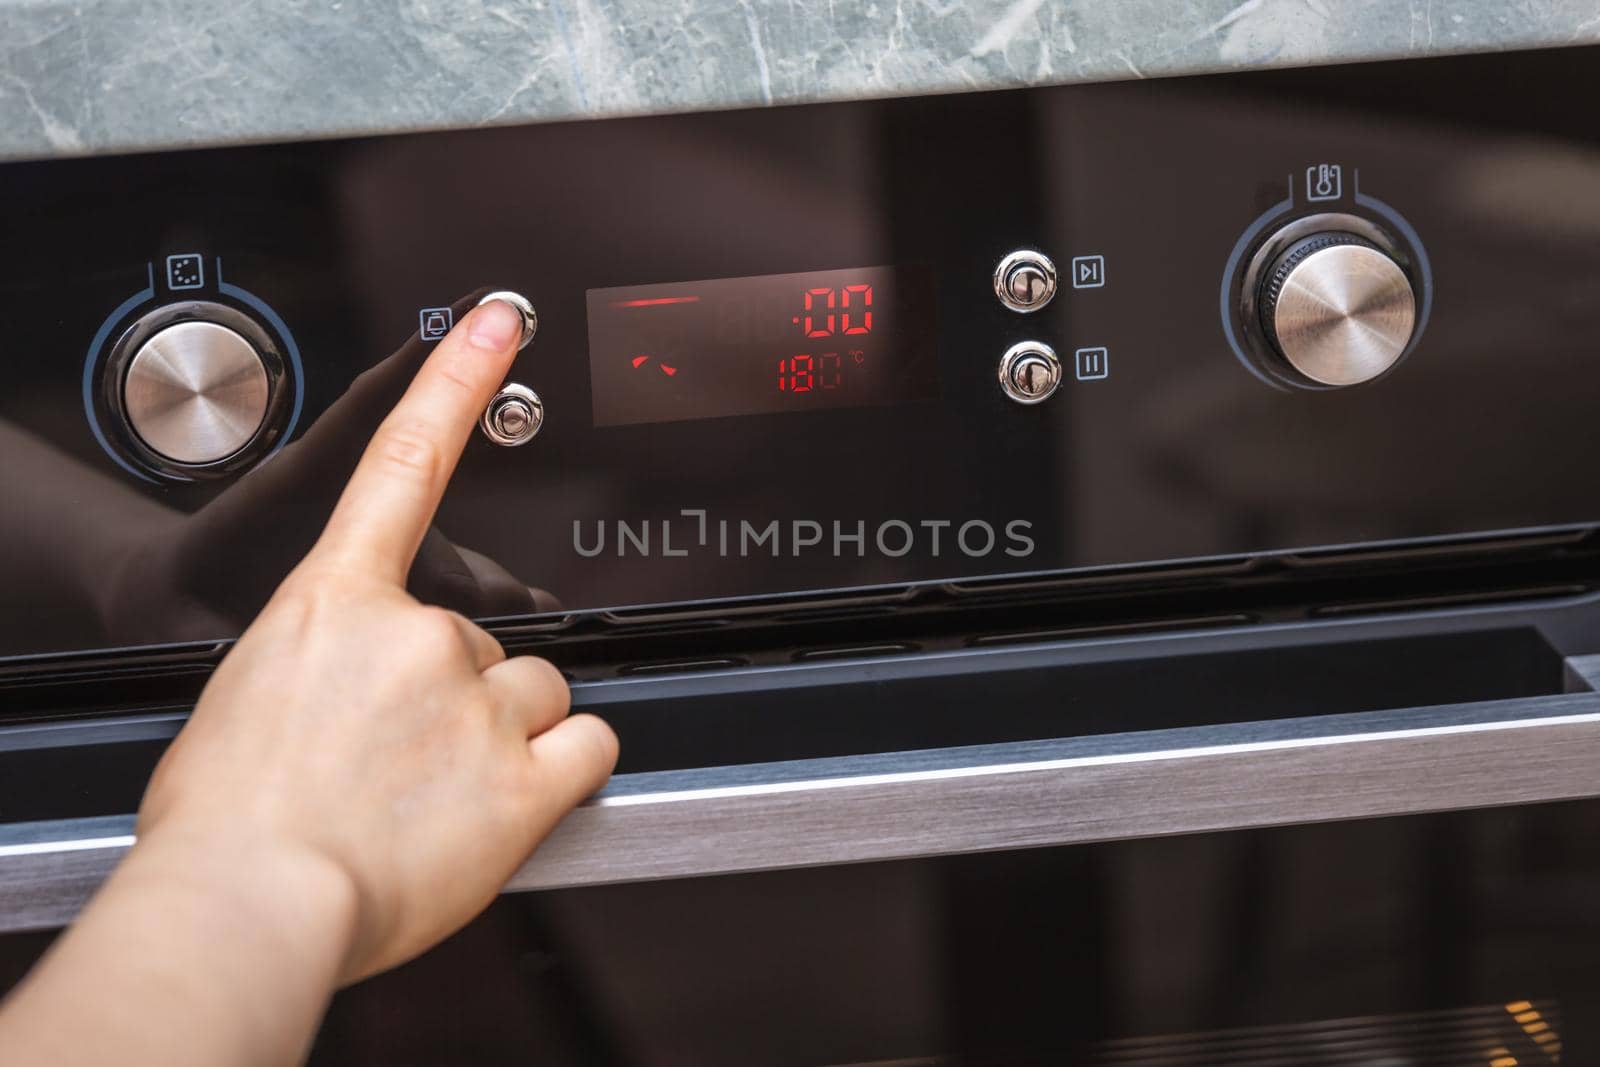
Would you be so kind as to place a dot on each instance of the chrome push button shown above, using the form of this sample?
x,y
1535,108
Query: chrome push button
x,y
530,318
1025,280
1030,372
514,416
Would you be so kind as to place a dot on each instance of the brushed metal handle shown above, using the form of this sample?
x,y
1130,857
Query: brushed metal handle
x,y
677,824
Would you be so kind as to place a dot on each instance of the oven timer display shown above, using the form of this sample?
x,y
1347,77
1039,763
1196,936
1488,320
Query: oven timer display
x,y
764,344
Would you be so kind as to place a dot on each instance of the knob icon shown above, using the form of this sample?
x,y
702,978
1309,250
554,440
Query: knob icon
x,y
1324,181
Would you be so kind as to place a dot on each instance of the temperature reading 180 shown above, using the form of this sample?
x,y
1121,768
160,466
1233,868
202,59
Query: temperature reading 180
x,y
845,311
805,372
772,343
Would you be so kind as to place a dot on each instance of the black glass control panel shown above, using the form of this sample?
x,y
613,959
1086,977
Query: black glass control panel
x,y
807,350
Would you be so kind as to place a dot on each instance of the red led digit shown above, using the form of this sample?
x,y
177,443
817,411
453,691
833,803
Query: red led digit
x,y
828,376
783,368
803,378
811,329
865,292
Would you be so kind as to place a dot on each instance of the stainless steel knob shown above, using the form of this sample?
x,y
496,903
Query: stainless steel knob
x,y
513,416
196,393
530,318
1029,372
1025,280
1340,310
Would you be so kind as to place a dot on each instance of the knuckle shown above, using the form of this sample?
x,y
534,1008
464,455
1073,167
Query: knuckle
x,y
407,448
308,594
547,677
439,628
443,633
456,370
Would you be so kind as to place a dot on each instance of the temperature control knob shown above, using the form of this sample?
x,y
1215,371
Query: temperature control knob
x,y
1337,308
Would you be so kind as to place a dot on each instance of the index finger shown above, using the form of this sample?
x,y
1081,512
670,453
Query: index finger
x,y
386,508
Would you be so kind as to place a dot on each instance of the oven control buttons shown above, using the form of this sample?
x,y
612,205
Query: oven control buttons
x,y
514,416
1336,307
1025,280
1029,372
530,318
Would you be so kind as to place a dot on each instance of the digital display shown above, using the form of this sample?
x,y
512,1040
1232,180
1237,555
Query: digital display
x,y
758,345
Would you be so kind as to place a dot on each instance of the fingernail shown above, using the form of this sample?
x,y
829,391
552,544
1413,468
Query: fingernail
x,y
495,326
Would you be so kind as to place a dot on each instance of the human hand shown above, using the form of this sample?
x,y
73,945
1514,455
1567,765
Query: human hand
x,y
360,741
174,575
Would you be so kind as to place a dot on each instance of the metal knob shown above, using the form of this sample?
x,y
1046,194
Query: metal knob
x,y
513,416
1025,280
1338,309
196,393
1029,372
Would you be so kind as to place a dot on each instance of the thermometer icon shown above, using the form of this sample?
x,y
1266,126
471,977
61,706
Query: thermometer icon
x,y
1324,181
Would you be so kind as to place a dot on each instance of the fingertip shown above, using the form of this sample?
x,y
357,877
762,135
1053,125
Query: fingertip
x,y
604,738
494,326
579,751
594,744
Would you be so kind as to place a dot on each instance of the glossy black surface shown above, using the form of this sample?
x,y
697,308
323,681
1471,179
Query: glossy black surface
x,y
851,709
1017,958
1180,452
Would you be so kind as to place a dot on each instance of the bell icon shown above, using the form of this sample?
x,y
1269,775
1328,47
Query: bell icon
x,y
434,323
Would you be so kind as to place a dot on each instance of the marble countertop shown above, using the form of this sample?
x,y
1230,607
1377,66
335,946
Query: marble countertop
x,y
114,76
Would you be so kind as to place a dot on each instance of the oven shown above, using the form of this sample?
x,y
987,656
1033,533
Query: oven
x,y
1095,574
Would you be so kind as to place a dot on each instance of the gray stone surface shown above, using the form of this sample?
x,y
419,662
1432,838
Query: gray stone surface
x,y
111,75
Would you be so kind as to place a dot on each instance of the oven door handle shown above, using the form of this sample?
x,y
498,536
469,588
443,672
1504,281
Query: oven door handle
x,y
982,798
1074,791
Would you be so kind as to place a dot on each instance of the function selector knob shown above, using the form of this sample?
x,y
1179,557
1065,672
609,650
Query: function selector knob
x,y
196,393
194,390
1337,308
513,416
1025,280
1029,372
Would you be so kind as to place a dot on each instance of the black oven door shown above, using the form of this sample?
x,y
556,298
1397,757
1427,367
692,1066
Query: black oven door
x,y
1461,938
1347,841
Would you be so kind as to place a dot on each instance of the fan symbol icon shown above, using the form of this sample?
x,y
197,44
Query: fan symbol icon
x,y
666,368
